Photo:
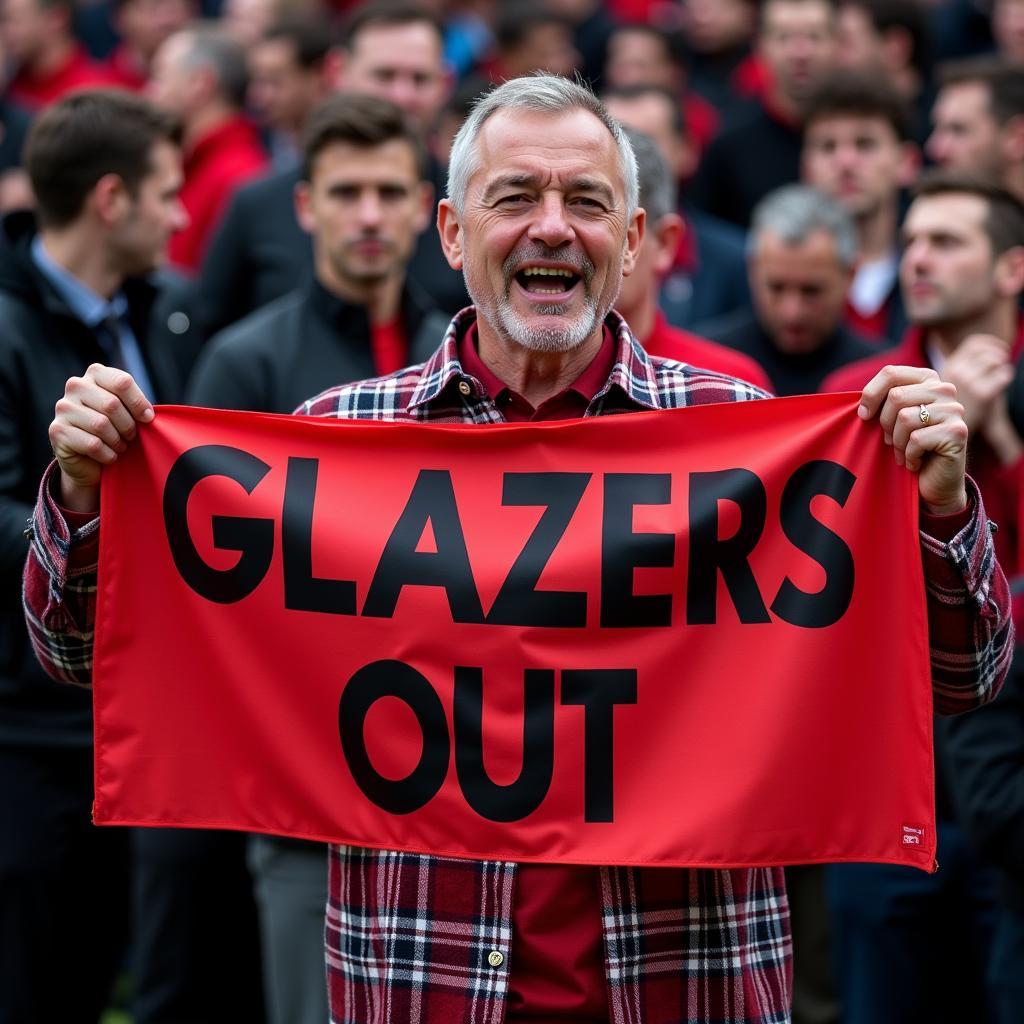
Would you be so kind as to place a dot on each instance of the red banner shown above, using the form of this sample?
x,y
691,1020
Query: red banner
x,y
694,637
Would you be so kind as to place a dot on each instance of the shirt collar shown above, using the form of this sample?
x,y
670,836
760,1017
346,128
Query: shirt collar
x,y
89,307
632,375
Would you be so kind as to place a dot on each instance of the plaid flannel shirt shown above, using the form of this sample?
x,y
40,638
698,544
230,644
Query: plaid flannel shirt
x,y
420,938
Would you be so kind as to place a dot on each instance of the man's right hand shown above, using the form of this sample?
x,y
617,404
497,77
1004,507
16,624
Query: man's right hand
x,y
94,422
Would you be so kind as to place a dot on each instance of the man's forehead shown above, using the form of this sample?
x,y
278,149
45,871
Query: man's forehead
x,y
844,123
377,41
950,212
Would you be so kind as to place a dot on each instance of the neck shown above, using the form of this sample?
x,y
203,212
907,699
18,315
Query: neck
x,y
783,104
1000,319
381,298
537,376
77,251
876,232
52,57
201,122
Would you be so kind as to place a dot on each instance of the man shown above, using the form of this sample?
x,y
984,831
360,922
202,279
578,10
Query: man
x,y
38,35
290,72
259,253
978,121
541,180
531,37
761,151
857,150
106,169
363,200
962,273
199,75
707,278
143,26
801,255
638,299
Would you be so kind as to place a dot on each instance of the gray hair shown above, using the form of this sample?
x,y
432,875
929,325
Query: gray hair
x,y
794,212
544,93
658,189
210,46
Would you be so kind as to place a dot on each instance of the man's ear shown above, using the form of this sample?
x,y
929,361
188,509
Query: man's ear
x,y
910,164
303,212
450,230
1009,272
634,239
109,199
426,207
665,237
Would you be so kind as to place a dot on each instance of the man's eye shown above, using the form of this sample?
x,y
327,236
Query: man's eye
x,y
512,200
587,201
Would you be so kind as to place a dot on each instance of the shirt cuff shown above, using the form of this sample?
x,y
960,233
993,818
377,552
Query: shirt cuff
x,y
68,541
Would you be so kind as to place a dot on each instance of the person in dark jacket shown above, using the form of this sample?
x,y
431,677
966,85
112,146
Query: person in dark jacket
x,y
363,200
106,170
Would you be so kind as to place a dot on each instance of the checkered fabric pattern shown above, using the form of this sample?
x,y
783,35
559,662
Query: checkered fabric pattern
x,y
428,939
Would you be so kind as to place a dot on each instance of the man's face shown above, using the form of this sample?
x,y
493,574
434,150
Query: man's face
x,y
716,26
547,47
401,63
797,42
365,206
170,85
638,58
650,114
799,290
281,90
947,272
145,24
965,135
25,27
858,45
858,160
543,240
139,240
1008,29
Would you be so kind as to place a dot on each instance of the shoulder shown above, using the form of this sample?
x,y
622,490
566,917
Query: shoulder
x,y
376,398
263,330
682,384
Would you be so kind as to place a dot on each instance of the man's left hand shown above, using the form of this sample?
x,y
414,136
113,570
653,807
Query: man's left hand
x,y
923,421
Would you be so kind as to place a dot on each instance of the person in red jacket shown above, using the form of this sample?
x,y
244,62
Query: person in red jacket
x,y
199,74
638,299
143,25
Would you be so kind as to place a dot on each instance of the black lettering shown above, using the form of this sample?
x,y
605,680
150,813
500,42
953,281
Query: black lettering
x,y
254,538
622,550
523,796
828,605
394,679
598,690
710,555
518,602
303,591
432,501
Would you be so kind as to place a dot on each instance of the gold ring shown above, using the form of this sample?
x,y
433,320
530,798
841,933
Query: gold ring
x,y
924,415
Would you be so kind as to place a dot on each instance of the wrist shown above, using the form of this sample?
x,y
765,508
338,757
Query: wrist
x,y
953,507
79,497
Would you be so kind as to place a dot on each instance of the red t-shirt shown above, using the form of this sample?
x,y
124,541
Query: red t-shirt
x,y
77,72
387,341
557,969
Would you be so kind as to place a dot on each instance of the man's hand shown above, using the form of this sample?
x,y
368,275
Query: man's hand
x,y
94,422
981,369
923,421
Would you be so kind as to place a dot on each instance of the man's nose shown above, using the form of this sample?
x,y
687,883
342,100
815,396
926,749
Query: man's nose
x,y
550,224
369,209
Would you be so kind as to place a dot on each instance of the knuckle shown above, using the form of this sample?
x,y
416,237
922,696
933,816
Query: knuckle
x,y
120,381
93,369
74,384
94,446
109,404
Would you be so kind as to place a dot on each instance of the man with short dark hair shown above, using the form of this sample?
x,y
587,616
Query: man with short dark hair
x,y
106,170
857,150
531,37
978,121
199,74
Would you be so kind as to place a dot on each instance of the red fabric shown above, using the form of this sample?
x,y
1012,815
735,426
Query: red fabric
x,y
390,351
215,165
701,118
751,77
78,72
871,326
674,343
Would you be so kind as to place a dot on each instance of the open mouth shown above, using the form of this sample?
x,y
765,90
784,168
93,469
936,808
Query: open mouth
x,y
547,281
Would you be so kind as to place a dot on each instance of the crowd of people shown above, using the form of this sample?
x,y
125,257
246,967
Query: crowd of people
x,y
237,203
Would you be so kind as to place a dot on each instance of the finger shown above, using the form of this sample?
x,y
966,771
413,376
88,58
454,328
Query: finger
x,y
909,421
874,395
912,396
122,384
948,438
72,443
84,391
85,418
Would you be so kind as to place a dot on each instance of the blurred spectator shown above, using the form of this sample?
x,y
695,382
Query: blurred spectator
x,y
469,34
645,55
290,72
362,199
719,34
802,251
106,169
246,20
530,37
761,151
978,121
638,299
592,26
1008,29
143,26
890,38
15,189
708,276
199,74
910,945
38,37
856,150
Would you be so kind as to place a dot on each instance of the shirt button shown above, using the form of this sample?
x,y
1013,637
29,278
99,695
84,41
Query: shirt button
x,y
495,958
467,390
